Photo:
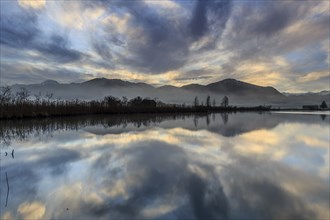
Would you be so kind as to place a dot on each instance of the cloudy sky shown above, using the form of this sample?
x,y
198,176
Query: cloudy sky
x,y
284,44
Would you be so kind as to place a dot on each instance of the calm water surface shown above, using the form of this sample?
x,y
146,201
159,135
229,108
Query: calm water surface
x,y
218,166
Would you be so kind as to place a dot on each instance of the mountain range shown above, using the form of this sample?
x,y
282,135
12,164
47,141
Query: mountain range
x,y
239,93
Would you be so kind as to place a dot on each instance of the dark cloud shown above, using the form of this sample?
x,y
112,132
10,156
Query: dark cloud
x,y
103,50
163,45
28,73
272,18
209,16
21,31
160,47
154,39
259,31
311,59
198,23
57,50
18,30
167,46
260,20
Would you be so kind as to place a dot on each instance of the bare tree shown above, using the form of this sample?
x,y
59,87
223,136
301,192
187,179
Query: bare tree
x,y
22,95
5,94
323,105
112,101
49,96
38,97
124,100
196,102
208,101
225,102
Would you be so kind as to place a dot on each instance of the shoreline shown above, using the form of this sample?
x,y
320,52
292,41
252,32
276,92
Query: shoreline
x,y
38,114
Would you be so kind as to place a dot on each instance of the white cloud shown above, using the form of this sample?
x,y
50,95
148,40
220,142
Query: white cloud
x,y
166,4
313,76
74,15
35,4
33,210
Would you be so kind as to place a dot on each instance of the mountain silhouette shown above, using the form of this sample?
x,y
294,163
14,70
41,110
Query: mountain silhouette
x,y
239,92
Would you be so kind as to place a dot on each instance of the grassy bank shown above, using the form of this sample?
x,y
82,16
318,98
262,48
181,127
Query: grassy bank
x,y
55,109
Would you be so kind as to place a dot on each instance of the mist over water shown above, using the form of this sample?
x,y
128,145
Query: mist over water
x,y
205,166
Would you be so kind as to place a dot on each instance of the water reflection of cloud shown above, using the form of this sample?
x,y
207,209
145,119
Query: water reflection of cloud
x,y
153,170
34,210
176,173
300,145
260,142
269,190
312,141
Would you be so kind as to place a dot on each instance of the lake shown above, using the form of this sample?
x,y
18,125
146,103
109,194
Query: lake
x,y
215,166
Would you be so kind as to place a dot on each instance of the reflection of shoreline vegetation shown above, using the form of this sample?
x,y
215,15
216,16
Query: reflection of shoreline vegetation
x,y
23,129
22,106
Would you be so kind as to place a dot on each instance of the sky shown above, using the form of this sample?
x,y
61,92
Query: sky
x,y
284,44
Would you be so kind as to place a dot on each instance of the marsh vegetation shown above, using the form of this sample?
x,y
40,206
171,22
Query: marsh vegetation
x,y
24,105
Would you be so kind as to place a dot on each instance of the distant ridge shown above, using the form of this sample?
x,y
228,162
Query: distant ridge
x,y
239,92
224,86
50,82
234,86
113,83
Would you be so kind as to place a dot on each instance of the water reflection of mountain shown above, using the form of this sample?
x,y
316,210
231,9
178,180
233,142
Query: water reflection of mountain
x,y
179,175
226,124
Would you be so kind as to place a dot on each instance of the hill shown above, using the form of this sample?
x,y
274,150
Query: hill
x,y
240,93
